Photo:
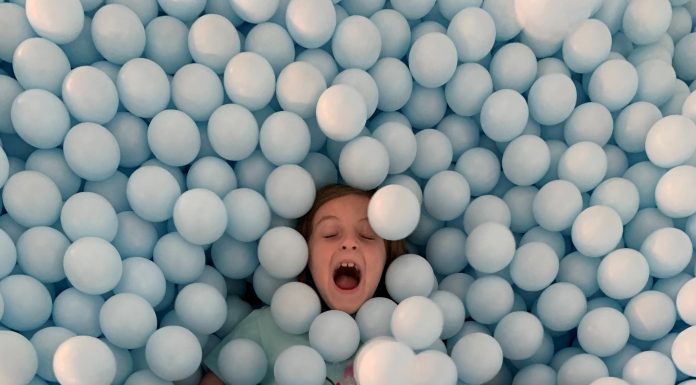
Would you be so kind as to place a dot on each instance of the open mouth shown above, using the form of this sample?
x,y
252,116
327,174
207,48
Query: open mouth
x,y
347,276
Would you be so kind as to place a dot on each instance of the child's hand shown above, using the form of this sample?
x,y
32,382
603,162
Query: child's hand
x,y
211,379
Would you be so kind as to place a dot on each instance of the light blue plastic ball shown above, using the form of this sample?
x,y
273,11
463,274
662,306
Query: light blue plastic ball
x,y
561,306
321,59
434,367
584,164
680,351
284,138
620,194
488,299
444,250
526,160
167,43
90,95
242,361
27,302
87,214
667,251
299,365
490,247
374,318
394,31
656,81
143,87
356,43
113,189
335,335
632,125
513,66
411,10
290,191
472,31
645,21
364,163
603,331
211,173
265,285
624,79
32,199
40,252
199,216
152,192
537,374
671,193
78,312
481,168
253,171
684,298
142,277
519,200
580,270
127,320
58,22
322,169
174,138
173,353
468,88
131,134
400,143
299,87
294,306
645,176
684,57
201,308
504,115
92,265
534,266
453,312
341,112
552,99
40,63
364,84
310,23
249,80
486,208
645,222
519,334
197,91
213,40
19,29
432,59
273,42
650,367
81,51
623,273
384,361
433,153
409,275
84,359
446,195
248,214
651,315
426,107
670,141
393,212
91,151
283,253
46,341
582,367
237,143
587,46
417,321
394,83
478,358
118,48
180,261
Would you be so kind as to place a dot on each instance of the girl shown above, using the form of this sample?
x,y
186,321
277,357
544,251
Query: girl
x,y
347,264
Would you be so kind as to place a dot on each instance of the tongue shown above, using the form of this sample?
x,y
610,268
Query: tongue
x,y
346,282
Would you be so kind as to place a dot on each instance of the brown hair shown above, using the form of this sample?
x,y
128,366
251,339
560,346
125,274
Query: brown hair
x,y
393,249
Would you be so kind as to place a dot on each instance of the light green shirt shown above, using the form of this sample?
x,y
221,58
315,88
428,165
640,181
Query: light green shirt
x,y
260,327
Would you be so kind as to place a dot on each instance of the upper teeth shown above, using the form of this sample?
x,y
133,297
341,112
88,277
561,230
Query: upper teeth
x,y
347,264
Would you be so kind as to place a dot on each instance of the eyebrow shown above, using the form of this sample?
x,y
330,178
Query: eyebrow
x,y
327,217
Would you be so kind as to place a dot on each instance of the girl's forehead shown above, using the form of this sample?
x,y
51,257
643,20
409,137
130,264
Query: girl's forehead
x,y
345,206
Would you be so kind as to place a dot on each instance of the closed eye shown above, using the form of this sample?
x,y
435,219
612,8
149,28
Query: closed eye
x,y
329,235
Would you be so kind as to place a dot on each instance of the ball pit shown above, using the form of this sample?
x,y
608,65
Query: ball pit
x,y
538,156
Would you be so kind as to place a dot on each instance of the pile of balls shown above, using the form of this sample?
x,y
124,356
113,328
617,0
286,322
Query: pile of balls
x,y
539,156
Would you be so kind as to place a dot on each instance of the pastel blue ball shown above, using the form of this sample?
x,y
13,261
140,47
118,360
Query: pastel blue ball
x,y
581,271
91,151
265,285
322,169
603,331
409,275
253,171
32,199
294,306
670,193
453,312
90,95
40,252
118,48
180,261
468,88
167,43
432,59
211,173
92,265
174,138
87,214
310,23
60,23
667,251
395,32
481,168
40,118
669,141
587,46
143,87
298,88
644,21
623,273
299,365
356,43
341,112
279,54
446,195
526,160
127,320
248,214
283,252
632,125
199,216
473,32
536,374
552,99
519,334
152,193
201,308
426,107
433,153
242,361
651,315
534,266
503,127
335,335
584,164
513,66
249,80
197,91
46,341
394,83
597,230
234,144
27,302
363,83
2,306
561,306
490,247
173,339
684,56
486,208
40,63
444,250
78,312
145,377
19,358
8,254
213,40
284,138
290,191
417,321
478,358
131,134
583,367
374,318
142,277
364,163
393,212
519,200
589,122
650,366
656,81
489,299
624,78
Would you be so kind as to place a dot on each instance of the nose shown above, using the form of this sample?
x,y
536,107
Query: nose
x,y
349,243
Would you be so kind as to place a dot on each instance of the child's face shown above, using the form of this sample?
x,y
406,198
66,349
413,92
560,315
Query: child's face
x,y
346,257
